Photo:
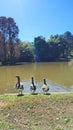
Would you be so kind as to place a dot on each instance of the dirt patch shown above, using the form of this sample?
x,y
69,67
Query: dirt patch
x,y
2,104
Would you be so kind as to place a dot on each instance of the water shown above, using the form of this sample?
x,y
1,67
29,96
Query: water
x,y
59,76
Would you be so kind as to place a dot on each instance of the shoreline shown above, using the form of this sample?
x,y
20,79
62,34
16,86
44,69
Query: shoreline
x,y
49,93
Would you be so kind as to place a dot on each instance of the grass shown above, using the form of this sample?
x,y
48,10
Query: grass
x,y
36,112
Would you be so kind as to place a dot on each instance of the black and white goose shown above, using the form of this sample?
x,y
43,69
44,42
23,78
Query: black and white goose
x,y
45,87
19,86
32,86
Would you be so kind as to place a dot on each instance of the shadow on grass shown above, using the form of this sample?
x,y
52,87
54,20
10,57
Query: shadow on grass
x,y
20,95
47,93
34,93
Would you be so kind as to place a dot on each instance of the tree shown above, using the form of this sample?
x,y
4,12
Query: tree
x,y
3,32
26,52
55,47
54,39
41,48
61,45
1,48
69,39
9,35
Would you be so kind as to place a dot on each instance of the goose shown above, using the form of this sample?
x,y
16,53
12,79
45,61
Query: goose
x,y
19,85
32,86
45,87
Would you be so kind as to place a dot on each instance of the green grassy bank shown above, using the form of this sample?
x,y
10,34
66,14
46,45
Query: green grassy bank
x,y
36,112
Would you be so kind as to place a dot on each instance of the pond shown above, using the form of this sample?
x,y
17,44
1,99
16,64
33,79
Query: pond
x,y
59,76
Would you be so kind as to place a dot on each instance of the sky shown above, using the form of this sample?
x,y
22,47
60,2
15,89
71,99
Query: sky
x,y
39,17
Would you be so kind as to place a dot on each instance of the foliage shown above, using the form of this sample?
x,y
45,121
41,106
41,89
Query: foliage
x,y
54,49
8,37
26,52
41,48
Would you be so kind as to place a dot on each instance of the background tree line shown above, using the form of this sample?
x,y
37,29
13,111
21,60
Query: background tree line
x,y
13,50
